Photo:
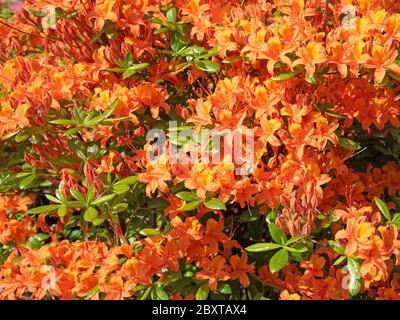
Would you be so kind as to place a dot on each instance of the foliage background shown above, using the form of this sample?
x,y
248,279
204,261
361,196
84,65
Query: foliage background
x,y
84,214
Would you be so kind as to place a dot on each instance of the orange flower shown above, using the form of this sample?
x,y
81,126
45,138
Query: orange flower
x,y
267,131
301,136
213,269
285,295
106,164
152,96
357,234
241,269
11,120
102,12
382,59
224,42
200,178
202,116
213,235
155,176
310,56
296,111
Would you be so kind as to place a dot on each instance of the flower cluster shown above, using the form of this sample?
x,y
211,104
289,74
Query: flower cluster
x,y
302,201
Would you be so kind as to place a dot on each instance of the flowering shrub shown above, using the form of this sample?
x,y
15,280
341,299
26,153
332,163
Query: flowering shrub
x,y
101,197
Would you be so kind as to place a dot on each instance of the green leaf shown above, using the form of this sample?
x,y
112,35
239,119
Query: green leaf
x,y
334,115
278,260
285,75
296,256
187,196
277,13
191,206
349,144
277,234
128,61
207,66
27,181
178,41
146,293
311,80
6,13
72,14
78,113
337,247
225,288
202,292
271,216
300,249
45,183
121,188
135,68
161,30
383,208
37,241
396,199
99,220
191,51
90,214
78,195
62,210
210,53
21,137
92,292
91,122
22,174
353,267
47,208
90,194
59,193
157,203
119,207
160,294
355,278
262,247
293,239
103,199
215,204
383,150
116,69
9,135
396,220
148,232
38,13
156,20
339,260
128,181
51,198
63,122
72,131
171,14
76,204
